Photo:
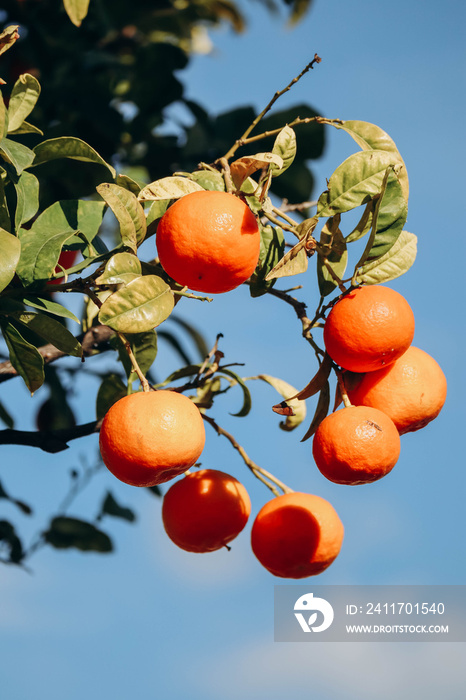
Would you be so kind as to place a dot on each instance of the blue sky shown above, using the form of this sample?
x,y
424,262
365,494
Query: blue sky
x,y
152,621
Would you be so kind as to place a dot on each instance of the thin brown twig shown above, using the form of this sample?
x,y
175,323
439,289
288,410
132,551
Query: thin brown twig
x,y
263,475
244,138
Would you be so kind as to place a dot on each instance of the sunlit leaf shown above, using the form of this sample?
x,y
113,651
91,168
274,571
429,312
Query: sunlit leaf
x,y
285,147
396,262
272,247
19,156
139,306
39,254
169,188
298,407
10,248
69,147
209,180
128,211
23,98
121,268
76,10
355,182
27,198
370,136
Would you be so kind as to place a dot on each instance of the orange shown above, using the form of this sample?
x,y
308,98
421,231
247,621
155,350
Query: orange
x,y
368,328
208,241
297,535
205,510
150,437
411,391
356,445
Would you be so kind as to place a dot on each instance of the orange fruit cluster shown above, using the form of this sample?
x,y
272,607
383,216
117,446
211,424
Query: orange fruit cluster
x,y
399,388
149,438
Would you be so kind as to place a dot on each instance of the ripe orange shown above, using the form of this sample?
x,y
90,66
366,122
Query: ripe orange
x,y
411,391
368,328
297,535
356,445
205,510
208,241
150,437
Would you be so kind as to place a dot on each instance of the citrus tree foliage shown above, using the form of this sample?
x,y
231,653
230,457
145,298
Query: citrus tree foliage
x,y
111,81
129,298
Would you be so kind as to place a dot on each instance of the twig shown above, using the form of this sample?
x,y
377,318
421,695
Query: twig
x,y
269,106
260,473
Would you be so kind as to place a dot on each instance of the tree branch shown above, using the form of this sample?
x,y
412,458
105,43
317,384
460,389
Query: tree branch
x,y
95,340
51,441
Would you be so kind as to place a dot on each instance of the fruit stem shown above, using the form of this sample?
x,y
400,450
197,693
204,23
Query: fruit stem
x,y
260,473
342,388
134,362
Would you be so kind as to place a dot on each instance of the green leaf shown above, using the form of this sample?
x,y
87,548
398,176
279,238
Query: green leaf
x,y
51,306
5,221
11,251
120,269
335,253
5,417
205,394
156,211
76,10
144,347
242,168
396,262
19,156
128,183
321,411
111,507
39,253
209,180
8,37
110,391
391,215
169,188
24,357
371,137
65,532
285,147
71,215
27,198
51,331
23,98
364,224
272,248
27,128
69,147
128,211
140,306
9,537
3,118
188,371
247,403
285,390
355,182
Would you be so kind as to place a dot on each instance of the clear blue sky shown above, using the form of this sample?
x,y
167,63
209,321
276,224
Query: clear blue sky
x,y
152,621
